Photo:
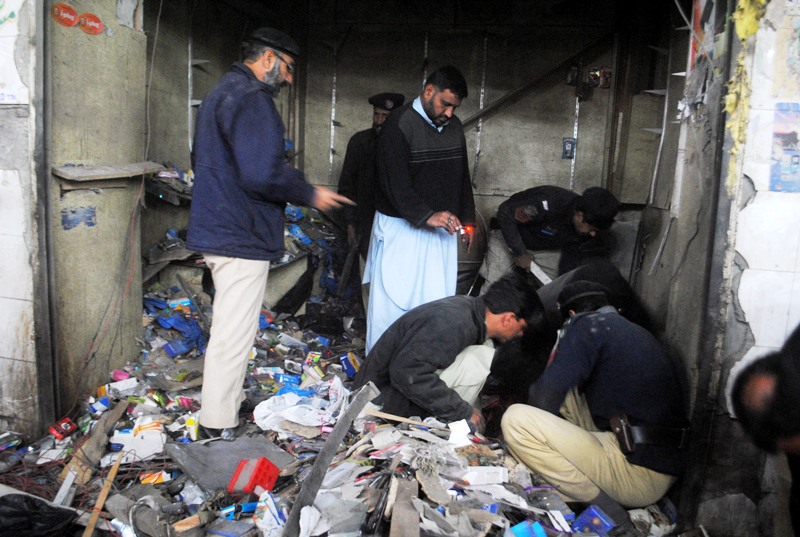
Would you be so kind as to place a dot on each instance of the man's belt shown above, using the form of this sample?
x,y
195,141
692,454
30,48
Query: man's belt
x,y
629,435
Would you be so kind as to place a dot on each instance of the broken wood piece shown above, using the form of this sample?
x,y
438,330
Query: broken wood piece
x,y
303,431
193,522
101,499
312,483
401,419
85,459
432,487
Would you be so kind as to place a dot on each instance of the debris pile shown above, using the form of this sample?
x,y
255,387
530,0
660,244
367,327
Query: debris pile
x,y
310,456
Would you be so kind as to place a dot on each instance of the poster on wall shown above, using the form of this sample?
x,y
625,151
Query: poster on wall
x,y
12,90
784,173
786,67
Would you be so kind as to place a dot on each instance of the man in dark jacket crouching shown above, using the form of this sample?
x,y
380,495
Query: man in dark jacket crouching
x,y
432,361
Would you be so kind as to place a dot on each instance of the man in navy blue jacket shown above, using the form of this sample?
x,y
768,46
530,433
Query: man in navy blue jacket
x,y
605,423
242,185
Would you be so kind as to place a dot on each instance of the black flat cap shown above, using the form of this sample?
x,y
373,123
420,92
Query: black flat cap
x,y
581,289
275,39
599,207
387,101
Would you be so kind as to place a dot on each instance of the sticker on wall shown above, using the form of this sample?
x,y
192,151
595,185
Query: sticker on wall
x,y
784,174
90,23
71,218
64,15
568,148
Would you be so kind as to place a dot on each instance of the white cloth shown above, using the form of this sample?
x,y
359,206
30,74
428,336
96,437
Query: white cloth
x,y
467,374
239,293
406,267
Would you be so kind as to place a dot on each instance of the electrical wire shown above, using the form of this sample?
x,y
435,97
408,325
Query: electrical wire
x,y
150,82
109,317
691,29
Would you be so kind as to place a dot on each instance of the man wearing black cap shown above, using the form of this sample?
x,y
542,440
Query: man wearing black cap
x,y
423,204
432,361
358,179
605,423
242,184
550,218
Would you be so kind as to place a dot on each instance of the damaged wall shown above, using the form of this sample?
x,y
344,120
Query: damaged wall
x,y
354,53
761,304
27,399
97,118
105,110
351,52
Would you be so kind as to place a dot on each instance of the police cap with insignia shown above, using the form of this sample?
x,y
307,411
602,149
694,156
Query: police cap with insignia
x,y
387,101
276,40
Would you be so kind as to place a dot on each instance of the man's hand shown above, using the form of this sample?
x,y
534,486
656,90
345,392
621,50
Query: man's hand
x,y
477,420
523,261
445,220
325,199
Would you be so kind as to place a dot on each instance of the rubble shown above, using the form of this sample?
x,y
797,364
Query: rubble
x,y
310,458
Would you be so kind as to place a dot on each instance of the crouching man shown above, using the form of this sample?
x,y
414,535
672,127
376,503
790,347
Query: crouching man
x,y
605,422
432,361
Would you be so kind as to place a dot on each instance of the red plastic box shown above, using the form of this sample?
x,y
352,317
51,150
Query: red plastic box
x,y
252,473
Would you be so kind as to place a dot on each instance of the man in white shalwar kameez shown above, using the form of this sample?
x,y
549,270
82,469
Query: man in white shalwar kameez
x,y
424,204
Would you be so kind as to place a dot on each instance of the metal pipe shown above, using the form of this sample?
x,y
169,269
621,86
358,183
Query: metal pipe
x,y
525,88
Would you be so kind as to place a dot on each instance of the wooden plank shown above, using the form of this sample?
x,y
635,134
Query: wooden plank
x,y
312,483
405,519
93,173
101,499
401,419
85,458
105,184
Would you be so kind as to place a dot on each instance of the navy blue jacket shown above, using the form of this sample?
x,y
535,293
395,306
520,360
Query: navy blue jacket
x,y
242,180
621,369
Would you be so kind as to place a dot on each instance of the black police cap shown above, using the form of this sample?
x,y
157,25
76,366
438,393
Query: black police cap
x,y
581,289
275,39
387,101
599,207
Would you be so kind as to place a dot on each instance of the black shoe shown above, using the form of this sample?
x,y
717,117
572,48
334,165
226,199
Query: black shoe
x,y
207,433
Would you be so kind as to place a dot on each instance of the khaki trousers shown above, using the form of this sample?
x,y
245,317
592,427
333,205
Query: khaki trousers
x,y
239,286
576,458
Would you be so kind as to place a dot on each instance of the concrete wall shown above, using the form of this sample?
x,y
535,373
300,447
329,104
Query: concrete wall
x,y
122,96
513,147
26,393
763,272
97,118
